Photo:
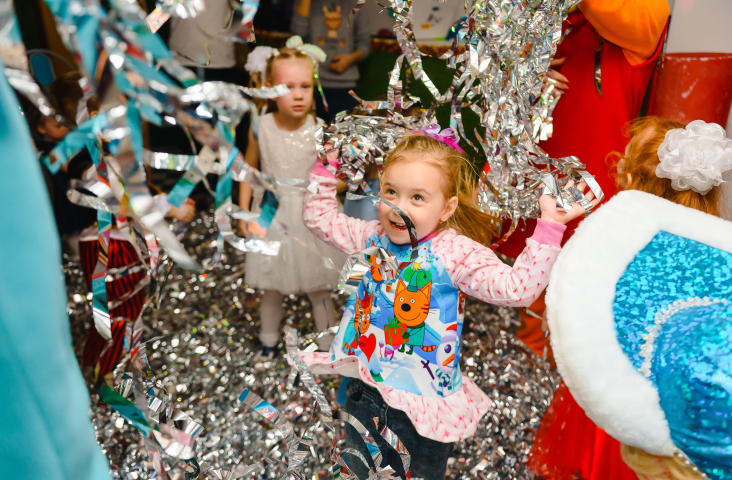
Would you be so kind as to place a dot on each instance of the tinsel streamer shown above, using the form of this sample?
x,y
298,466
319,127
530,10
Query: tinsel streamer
x,y
509,46
202,351
211,358
501,54
15,60
144,71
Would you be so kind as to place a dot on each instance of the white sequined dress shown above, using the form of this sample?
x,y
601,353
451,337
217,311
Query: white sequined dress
x,y
296,269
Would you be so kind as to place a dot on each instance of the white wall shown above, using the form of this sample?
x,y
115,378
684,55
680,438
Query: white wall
x,y
701,26
432,18
704,26
377,20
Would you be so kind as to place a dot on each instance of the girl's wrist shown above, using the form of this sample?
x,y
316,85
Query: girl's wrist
x,y
320,170
548,218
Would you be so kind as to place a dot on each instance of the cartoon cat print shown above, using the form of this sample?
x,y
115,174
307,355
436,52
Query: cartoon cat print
x,y
361,321
411,307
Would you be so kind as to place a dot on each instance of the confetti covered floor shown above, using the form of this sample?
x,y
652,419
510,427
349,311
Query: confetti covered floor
x,y
205,340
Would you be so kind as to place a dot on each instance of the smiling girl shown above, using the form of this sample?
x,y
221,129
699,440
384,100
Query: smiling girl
x,y
415,386
284,147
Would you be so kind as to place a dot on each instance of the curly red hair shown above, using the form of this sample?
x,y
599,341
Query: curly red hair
x,y
646,135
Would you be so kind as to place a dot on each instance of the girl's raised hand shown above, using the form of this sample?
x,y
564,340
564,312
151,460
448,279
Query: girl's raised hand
x,y
550,212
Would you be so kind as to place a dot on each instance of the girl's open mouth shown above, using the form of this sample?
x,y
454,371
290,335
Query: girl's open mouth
x,y
399,227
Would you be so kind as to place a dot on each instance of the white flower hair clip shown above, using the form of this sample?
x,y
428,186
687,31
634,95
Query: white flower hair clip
x,y
257,59
315,53
695,157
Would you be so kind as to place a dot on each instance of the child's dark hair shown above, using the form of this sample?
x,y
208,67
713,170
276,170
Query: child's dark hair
x,y
66,93
642,160
458,180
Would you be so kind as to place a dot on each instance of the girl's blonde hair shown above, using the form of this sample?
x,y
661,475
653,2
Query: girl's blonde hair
x,y
257,81
652,467
458,180
642,160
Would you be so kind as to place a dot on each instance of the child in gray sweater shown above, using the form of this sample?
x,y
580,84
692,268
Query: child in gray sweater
x,y
325,23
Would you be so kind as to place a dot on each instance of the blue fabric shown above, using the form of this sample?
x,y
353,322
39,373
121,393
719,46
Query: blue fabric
x,y
409,339
691,365
44,405
363,208
429,457
341,395
669,268
692,371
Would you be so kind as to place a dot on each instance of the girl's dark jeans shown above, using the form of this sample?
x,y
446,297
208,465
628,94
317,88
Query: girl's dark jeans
x,y
429,457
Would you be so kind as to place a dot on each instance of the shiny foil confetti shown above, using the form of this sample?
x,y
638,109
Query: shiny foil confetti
x,y
157,88
501,75
174,410
201,347
509,46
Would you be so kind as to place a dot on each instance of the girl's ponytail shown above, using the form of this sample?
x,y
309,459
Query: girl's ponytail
x,y
642,160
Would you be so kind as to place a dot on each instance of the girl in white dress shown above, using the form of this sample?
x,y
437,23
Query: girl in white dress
x,y
284,146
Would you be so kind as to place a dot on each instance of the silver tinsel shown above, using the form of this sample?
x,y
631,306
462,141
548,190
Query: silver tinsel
x,y
203,349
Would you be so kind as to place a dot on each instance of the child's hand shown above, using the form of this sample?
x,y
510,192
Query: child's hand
x,y
332,157
243,228
551,213
340,63
185,212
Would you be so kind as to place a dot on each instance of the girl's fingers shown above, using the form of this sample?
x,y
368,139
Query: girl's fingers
x,y
557,76
558,61
559,81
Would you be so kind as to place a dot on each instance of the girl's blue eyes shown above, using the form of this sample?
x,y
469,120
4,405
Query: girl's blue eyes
x,y
415,197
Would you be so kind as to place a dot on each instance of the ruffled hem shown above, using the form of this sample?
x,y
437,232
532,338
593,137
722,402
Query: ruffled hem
x,y
447,419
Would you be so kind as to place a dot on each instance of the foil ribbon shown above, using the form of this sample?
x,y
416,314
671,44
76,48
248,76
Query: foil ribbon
x,y
203,357
492,77
145,72
508,49
501,54
301,371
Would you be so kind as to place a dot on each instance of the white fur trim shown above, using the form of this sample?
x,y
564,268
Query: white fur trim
x,y
617,397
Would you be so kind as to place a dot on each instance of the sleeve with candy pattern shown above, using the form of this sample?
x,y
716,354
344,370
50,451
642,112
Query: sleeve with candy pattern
x,y
320,215
478,272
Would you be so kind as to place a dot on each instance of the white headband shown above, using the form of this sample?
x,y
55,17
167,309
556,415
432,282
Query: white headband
x,y
257,58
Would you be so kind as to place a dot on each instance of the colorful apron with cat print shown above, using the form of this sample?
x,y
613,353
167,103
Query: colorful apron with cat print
x,y
407,330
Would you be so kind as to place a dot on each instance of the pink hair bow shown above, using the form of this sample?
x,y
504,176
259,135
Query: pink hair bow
x,y
447,136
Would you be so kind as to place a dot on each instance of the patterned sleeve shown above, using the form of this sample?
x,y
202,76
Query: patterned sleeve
x,y
320,215
478,272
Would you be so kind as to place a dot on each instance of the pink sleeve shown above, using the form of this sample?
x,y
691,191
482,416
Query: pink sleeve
x,y
549,233
320,215
478,272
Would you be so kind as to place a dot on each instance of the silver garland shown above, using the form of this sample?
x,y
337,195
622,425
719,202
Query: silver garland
x,y
203,353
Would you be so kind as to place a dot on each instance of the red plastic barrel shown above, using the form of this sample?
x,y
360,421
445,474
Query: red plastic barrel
x,y
695,86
